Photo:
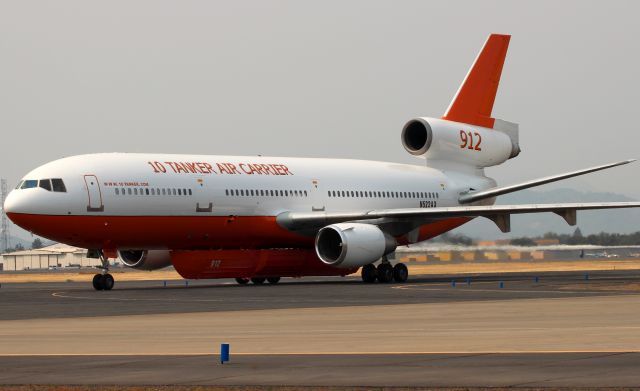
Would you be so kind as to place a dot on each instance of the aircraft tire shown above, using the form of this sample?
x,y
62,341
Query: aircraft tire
x,y
258,280
369,274
242,280
273,280
97,282
107,282
385,273
400,272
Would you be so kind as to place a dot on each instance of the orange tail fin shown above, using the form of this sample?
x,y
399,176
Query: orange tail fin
x,y
474,100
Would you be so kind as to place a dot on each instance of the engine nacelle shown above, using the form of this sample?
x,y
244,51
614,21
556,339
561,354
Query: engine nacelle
x,y
442,140
348,245
145,259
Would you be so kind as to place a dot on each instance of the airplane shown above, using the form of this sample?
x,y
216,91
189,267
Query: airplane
x,y
258,219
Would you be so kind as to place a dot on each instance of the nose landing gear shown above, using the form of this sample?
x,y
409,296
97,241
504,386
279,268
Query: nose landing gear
x,y
103,281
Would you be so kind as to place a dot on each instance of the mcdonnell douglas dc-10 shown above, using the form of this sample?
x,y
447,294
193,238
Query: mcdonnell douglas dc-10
x,y
262,218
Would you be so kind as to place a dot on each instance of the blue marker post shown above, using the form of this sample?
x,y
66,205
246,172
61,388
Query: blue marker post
x,y
501,285
164,283
468,280
536,279
586,276
186,283
224,353
453,283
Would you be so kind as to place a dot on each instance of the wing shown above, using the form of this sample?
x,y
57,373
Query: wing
x,y
499,214
496,191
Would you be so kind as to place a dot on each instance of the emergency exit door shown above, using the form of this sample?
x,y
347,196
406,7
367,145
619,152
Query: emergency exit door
x,y
94,194
317,201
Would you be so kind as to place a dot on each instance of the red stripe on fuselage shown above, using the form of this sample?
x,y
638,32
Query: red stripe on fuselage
x,y
174,232
182,232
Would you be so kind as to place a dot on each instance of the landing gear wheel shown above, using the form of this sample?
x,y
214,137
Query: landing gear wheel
x,y
385,272
369,274
242,280
107,282
258,280
400,272
273,280
97,282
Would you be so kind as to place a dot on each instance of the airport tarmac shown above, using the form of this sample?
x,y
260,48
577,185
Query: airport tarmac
x,y
563,330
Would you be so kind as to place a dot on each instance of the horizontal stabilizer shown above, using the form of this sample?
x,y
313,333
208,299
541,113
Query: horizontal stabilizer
x,y
496,191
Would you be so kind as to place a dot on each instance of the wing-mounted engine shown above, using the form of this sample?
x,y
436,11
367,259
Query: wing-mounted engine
x,y
441,140
145,259
347,245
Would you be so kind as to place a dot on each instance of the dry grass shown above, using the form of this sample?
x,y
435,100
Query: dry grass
x,y
523,267
86,276
267,388
415,269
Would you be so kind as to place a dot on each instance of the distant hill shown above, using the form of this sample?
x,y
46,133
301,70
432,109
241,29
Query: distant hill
x,y
620,221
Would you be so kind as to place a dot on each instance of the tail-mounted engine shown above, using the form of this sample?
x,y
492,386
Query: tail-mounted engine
x,y
348,245
448,141
145,259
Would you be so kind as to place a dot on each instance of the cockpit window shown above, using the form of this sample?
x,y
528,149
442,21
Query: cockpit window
x,y
45,184
58,185
29,183
19,185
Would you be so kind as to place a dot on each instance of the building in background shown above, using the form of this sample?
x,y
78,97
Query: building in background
x,y
50,257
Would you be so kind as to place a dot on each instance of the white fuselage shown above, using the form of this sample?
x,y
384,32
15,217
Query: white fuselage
x,y
118,185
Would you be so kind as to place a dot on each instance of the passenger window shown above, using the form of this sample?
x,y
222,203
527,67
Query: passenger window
x,y
135,191
129,191
45,184
117,191
146,191
179,191
58,185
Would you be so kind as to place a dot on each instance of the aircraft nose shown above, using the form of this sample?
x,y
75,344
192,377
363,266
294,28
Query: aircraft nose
x,y
12,204
18,203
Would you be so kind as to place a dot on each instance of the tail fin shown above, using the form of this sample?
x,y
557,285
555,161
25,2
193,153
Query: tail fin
x,y
474,100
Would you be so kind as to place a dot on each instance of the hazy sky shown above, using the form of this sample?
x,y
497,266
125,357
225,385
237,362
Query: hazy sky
x,y
314,78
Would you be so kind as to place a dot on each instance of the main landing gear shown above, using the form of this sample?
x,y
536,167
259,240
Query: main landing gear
x,y
257,280
385,272
103,281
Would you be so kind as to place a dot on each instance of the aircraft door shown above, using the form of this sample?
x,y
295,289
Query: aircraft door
x,y
94,194
203,197
317,202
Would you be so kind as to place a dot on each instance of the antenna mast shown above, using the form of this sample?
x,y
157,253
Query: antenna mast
x,y
4,228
